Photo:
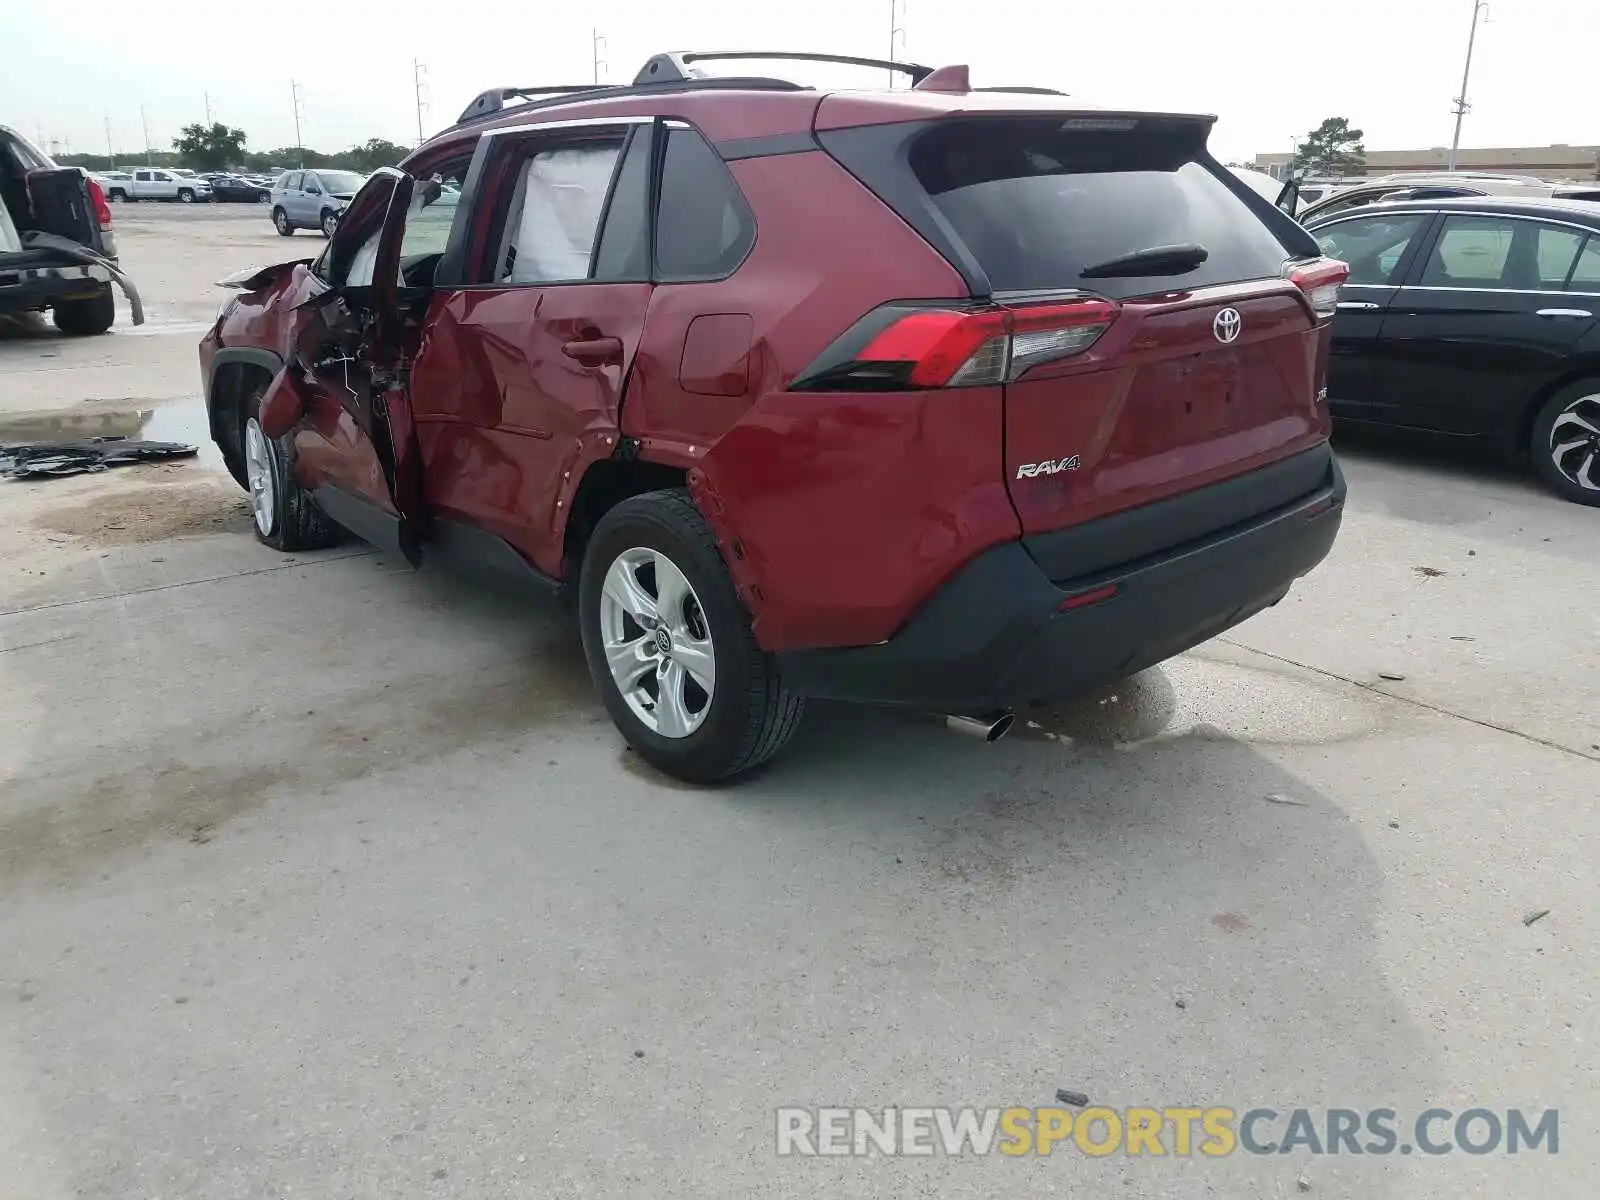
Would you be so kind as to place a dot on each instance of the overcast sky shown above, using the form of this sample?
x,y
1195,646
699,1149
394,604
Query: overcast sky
x,y
1269,68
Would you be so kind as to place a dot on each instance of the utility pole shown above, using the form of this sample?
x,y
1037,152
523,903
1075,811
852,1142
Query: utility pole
x,y
419,81
299,105
897,33
111,151
598,43
208,110
1480,8
144,118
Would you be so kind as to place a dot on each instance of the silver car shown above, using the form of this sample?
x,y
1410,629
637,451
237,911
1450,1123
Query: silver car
x,y
312,199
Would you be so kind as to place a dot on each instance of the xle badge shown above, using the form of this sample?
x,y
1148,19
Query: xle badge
x,y
1052,466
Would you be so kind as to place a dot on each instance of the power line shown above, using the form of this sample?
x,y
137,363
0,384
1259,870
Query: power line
x,y
419,80
599,62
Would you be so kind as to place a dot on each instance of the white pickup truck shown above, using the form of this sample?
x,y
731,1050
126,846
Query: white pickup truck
x,y
154,183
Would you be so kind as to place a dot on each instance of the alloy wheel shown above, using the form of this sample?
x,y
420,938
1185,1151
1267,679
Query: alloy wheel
x,y
258,474
1575,442
657,642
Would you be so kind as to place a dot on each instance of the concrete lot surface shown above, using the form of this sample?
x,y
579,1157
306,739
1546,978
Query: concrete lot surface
x,y
319,877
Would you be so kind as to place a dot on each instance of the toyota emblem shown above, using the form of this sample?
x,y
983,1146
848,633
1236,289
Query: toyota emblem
x,y
1226,325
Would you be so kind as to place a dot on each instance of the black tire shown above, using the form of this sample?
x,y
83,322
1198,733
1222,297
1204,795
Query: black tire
x,y
1576,408
264,198
329,222
85,318
116,195
295,522
280,222
751,716
185,195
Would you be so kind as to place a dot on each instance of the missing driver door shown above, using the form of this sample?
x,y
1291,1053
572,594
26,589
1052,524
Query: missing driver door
x,y
355,445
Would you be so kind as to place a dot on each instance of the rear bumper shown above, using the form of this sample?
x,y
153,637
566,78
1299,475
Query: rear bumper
x,y
996,635
36,279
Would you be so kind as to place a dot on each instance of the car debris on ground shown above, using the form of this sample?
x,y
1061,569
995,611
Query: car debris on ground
x,y
44,460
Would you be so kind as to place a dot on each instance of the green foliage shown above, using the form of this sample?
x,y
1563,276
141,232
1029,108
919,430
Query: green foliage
x,y
1332,148
210,147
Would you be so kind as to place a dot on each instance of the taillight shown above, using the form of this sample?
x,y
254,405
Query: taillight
x,y
903,347
97,197
1320,280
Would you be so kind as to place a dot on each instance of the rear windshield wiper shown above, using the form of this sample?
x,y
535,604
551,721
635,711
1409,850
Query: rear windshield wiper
x,y
1158,260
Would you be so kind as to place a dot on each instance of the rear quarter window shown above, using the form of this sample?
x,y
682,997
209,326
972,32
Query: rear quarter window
x,y
1037,203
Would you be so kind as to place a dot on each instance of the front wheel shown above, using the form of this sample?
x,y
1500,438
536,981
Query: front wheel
x,y
1566,443
280,222
330,222
284,515
669,645
264,198
185,196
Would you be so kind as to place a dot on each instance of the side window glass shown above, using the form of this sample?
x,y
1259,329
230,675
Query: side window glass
x,y
624,252
1373,246
1586,272
1558,249
291,181
704,228
555,211
1473,252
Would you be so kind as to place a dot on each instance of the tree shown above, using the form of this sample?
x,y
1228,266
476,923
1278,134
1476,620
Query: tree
x,y
1332,148
210,148
375,153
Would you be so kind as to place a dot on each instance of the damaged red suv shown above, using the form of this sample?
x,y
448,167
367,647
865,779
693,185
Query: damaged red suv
x,y
952,399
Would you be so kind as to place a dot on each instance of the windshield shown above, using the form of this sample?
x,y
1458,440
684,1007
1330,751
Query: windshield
x,y
341,181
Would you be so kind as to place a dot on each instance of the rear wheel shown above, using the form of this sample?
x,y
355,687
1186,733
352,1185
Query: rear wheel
x,y
116,195
284,514
1566,443
264,198
280,222
670,648
85,318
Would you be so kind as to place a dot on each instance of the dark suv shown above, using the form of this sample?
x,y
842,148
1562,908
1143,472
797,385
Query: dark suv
x,y
936,398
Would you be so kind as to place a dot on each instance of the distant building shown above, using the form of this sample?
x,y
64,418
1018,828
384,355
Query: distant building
x,y
1543,162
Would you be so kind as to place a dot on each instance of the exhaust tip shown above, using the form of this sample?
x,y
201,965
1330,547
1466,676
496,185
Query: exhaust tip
x,y
989,727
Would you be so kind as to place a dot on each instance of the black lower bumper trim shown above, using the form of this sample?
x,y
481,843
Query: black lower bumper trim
x,y
995,636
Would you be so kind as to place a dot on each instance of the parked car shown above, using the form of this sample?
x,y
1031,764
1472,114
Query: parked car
x,y
57,252
1475,317
238,189
802,394
155,183
311,199
1418,186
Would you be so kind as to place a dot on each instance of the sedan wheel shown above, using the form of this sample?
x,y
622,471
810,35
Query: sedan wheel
x,y
657,643
1566,443
1575,442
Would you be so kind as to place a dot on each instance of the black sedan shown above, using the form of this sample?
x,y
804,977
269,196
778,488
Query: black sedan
x,y
237,189
1474,318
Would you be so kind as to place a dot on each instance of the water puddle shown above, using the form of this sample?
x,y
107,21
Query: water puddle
x,y
182,422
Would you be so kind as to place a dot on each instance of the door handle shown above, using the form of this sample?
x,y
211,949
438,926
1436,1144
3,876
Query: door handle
x,y
1555,314
1360,305
595,351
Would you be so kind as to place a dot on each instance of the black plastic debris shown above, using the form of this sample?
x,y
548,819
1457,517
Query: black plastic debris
x,y
42,460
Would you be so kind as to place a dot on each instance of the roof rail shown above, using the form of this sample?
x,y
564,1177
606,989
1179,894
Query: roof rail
x,y
495,98
675,66
1023,91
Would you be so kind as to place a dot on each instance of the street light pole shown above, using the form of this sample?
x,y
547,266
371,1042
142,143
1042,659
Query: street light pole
x,y
1479,7
419,79
597,43
294,94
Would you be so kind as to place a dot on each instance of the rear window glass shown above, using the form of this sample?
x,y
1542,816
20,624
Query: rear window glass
x,y
1038,203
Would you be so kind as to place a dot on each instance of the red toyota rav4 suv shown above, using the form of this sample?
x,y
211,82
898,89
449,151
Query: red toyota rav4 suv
x,y
941,398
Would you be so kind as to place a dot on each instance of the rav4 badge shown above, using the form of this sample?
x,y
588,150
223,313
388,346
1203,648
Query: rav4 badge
x,y
1049,467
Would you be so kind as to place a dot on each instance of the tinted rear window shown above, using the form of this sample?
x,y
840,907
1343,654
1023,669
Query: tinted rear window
x,y
1038,202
